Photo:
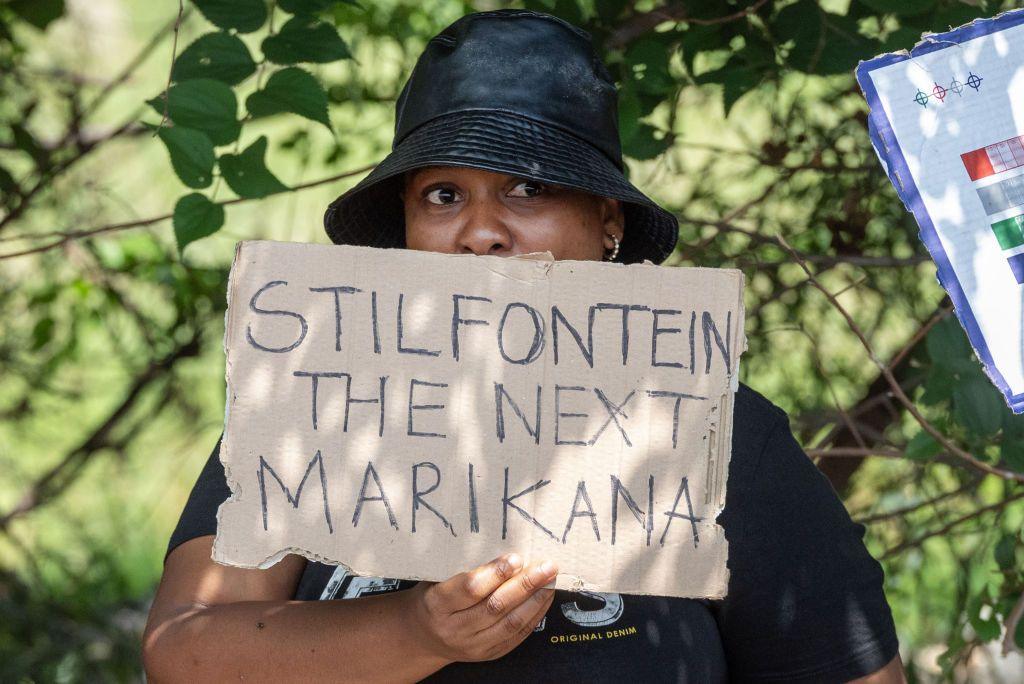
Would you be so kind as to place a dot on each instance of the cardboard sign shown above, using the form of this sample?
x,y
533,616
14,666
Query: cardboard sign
x,y
413,415
946,125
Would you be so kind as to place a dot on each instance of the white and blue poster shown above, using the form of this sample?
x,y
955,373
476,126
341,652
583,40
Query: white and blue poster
x,y
947,122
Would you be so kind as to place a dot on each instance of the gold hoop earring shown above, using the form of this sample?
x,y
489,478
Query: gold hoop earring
x,y
610,256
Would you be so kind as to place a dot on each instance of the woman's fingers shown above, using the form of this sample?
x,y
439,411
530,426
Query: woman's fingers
x,y
467,589
512,629
488,611
504,601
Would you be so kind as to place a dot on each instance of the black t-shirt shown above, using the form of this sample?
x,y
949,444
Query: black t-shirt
x,y
804,604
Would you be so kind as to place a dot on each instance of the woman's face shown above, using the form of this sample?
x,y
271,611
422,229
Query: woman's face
x,y
459,210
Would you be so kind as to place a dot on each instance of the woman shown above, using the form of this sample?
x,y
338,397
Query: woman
x,y
506,142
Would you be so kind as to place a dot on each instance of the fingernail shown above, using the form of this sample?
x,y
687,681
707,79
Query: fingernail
x,y
514,561
544,571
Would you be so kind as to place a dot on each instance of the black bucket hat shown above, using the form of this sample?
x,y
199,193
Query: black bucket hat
x,y
510,91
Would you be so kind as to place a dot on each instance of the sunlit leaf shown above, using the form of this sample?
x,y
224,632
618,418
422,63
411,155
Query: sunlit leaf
x,y
304,39
204,104
291,90
823,43
311,6
195,217
247,173
192,155
220,56
244,16
647,59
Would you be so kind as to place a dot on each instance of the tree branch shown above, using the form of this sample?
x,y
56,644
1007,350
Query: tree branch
x,y
63,237
900,548
645,22
54,480
894,385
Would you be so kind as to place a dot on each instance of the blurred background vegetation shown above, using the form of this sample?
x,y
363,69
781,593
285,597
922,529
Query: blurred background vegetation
x,y
121,202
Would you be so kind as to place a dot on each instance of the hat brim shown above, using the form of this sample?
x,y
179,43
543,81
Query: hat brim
x,y
371,212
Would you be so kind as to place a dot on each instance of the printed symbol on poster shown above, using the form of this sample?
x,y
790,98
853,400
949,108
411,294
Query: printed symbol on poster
x,y
939,92
1002,197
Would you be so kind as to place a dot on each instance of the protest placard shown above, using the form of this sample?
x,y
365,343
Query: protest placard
x,y
412,415
946,125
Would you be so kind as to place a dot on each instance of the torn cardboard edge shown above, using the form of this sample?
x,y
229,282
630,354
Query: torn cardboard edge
x,y
717,429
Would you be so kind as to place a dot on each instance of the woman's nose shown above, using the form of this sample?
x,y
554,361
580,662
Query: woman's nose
x,y
483,230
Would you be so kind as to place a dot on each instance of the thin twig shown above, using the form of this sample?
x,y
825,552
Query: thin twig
x,y
677,11
54,480
894,384
1012,621
135,63
170,70
906,510
854,452
67,236
900,548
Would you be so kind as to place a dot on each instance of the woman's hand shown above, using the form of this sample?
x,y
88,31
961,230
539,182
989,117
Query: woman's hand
x,y
484,613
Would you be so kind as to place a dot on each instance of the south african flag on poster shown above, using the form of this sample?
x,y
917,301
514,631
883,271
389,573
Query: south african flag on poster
x,y
998,174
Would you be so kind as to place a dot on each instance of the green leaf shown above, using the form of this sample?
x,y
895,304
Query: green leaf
x,y
291,90
742,73
977,406
244,16
642,144
647,60
610,9
195,217
7,182
26,142
699,38
948,346
938,387
308,6
922,447
737,80
1012,453
38,13
987,629
191,154
903,8
42,333
204,104
823,43
569,10
304,39
220,56
247,173
1006,552
902,38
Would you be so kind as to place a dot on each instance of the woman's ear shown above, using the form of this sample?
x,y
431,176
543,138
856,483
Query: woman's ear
x,y
613,219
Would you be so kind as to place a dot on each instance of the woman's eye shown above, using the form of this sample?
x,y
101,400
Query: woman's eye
x,y
528,189
442,196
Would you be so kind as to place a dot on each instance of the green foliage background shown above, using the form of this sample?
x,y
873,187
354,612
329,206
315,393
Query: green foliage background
x,y
126,178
